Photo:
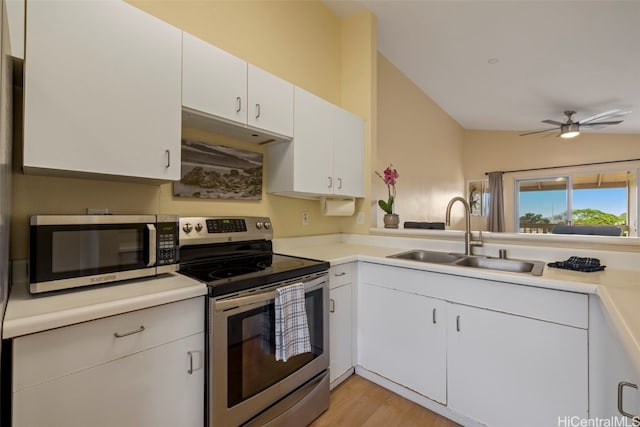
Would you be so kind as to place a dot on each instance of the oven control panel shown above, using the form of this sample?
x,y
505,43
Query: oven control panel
x,y
233,225
203,230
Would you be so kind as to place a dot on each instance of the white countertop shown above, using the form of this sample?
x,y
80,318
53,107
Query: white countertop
x,y
27,314
617,288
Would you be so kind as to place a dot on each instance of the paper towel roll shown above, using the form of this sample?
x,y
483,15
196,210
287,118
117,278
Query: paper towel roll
x,y
337,207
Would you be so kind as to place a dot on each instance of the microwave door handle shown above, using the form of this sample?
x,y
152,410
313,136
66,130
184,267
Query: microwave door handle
x,y
151,245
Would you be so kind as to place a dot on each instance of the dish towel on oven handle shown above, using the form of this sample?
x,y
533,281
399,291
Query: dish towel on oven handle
x,y
292,328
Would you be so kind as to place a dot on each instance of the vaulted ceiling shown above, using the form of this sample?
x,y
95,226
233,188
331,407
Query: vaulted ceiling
x,y
508,65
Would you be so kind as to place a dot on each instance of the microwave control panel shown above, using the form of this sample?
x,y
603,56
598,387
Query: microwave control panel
x,y
167,236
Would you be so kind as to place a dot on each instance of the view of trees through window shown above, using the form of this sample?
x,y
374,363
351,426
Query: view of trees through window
x,y
588,199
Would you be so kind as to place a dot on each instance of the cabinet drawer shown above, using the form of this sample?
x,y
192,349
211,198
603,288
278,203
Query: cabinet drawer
x,y
51,354
339,275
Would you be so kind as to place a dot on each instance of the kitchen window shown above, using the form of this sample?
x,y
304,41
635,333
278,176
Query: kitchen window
x,y
598,198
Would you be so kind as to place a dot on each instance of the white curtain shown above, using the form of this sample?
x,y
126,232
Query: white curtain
x,y
495,221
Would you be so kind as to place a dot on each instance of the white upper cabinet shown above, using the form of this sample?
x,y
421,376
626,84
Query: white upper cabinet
x,y
102,91
270,102
224,94
213,81
348,159
326,157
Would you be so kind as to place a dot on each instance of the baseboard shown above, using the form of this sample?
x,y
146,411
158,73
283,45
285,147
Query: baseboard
x,y
335,383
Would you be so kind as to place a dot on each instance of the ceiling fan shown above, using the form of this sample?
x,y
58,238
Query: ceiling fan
x,y
571,128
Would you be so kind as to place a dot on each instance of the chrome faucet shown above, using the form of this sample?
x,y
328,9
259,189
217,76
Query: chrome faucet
x,y
467,216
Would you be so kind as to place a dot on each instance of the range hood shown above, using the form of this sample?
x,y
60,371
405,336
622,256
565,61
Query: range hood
x,y
203,121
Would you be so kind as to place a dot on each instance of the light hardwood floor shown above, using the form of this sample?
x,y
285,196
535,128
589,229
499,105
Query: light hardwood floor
x,y
360,403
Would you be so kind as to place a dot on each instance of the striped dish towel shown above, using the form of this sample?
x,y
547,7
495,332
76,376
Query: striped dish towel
x,y
292,329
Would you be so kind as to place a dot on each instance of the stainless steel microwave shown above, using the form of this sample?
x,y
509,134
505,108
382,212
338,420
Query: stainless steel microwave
x,y
68,251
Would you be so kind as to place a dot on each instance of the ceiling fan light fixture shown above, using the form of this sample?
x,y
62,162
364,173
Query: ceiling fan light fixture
x,y
570,130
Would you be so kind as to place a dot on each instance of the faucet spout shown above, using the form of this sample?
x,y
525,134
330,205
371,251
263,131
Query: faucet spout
x,y
467,217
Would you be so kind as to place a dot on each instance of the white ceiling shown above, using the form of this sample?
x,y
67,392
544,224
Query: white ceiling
x,y
582,55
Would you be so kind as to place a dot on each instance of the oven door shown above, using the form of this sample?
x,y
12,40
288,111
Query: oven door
x,y
244,376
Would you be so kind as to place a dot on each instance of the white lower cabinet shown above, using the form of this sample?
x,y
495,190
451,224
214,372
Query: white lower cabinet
x,y
614,383
143,368
494,353
340,323
340,331
149,388
402,337
506,370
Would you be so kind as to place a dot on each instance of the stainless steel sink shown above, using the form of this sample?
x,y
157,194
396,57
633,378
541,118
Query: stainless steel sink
x,y
534,268
512,265
429,256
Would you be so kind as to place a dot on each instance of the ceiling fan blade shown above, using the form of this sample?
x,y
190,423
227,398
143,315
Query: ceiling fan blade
x,y
605,115
553,122
615,122
538,131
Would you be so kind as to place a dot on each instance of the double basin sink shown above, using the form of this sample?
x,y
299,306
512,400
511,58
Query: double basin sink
x,y
533,268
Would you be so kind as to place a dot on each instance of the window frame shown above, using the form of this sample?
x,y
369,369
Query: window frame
x,y
633,194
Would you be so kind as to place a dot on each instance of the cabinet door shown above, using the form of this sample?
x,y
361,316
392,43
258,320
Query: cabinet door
x,y
270,102
348,157
102,90
313,144
609,366
503,368
402,337
340,331
213,81
163,386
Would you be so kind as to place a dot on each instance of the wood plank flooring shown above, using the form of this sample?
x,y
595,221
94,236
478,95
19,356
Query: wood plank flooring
x,y
360,403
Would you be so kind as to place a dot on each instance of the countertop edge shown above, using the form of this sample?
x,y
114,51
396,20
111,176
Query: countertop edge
x,y
33,324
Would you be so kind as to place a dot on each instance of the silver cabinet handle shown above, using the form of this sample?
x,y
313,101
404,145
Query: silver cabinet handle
x,y
332,306
168,153
342,273
458,323
433,315
621,387
339,183
190,370
257,111
126,334
238,104
330,181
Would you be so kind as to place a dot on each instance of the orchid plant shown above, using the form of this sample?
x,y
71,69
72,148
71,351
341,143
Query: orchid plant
x,y
390,177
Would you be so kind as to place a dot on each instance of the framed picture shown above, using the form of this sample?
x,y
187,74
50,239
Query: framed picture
x,y
218,172
478,197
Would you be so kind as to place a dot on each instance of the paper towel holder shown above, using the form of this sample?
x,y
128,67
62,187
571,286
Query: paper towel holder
x,y
330,206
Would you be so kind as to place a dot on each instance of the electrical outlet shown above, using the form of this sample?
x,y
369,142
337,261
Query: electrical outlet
x,y
305,218
360,218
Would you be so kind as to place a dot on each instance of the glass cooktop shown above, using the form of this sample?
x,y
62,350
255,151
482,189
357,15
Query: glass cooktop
x,y
229,275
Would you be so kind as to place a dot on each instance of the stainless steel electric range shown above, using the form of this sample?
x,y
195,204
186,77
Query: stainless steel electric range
x,y
246,386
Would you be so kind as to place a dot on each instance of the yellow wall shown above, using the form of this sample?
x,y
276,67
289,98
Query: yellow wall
x,y
359,95
487,151
423,143
300,41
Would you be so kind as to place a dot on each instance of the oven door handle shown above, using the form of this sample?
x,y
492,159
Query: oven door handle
x,y
266,295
